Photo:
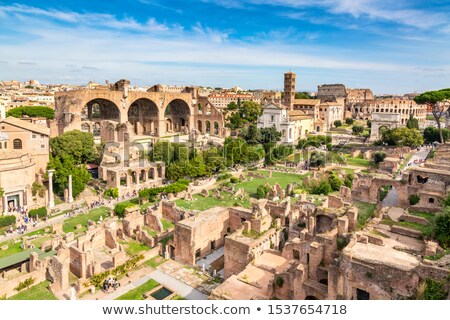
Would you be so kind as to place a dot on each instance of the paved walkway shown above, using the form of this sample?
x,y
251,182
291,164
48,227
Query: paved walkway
x,y
166,280
177,286
122,290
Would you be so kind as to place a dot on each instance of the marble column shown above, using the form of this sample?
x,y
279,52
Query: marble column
x,y
51,199
70,200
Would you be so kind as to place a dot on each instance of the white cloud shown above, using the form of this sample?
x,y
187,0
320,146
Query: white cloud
x,y
396,11
83,50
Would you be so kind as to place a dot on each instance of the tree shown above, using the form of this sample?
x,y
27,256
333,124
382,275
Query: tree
x,y
357,129
435,100
242,114
32,112
163,151
349,121
412,123
440,227
402,137
304,95
253,135
431,134
270,134
337,123
317,159
77,145
369,124
64,167
379,156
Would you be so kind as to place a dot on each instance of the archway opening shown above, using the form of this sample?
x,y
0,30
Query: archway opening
x,y
143,115
311,298
177,113
100,109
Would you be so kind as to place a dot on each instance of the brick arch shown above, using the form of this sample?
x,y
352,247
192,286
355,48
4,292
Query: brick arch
x,y
399,185
143,114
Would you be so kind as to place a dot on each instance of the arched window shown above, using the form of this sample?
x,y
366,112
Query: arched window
x,y
17,144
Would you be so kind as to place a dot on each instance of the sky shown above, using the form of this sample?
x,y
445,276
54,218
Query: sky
x,y
389,46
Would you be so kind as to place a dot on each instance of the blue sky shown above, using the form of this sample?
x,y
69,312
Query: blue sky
x,y
390,46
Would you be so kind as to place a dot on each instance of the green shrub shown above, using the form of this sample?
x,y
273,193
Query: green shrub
x,y
279,281
379,156
349,121
338,123
224,176
97,280
320,187
40,212
348,181
414,199
112,192
7,221
234,180
357,129
262,191
341,243
119,208
440,228
433,290
25,284
334,181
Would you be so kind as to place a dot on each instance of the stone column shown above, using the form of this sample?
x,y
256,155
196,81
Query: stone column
x,y
70,200
51,200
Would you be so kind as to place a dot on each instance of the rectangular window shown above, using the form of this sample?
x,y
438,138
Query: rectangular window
x,y
34,136
272,118
42,146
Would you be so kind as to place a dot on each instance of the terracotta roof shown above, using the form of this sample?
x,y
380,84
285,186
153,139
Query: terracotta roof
x,y
26,125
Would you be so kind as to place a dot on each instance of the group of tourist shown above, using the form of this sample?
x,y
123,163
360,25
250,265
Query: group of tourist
x,y
23,221
110,283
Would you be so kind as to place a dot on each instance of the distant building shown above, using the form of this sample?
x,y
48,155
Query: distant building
x,y
222,100
293,124
27,137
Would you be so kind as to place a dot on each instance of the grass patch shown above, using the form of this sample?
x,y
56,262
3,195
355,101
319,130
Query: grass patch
x,y
38,242
227,200
378,233
155,262
133,248
203,203
82,219
12,249
252,234
138,293
365,212
150,231
37,292
426,215
406,224
438,256
167,224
